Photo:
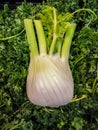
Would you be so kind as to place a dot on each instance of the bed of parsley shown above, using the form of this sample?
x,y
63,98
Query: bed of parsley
x,y
16,112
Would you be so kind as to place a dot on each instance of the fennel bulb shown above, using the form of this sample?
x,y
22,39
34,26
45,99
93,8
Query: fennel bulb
x,y
49,80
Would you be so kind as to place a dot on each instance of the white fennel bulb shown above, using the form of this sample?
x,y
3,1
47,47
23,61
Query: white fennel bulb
x,y
50,82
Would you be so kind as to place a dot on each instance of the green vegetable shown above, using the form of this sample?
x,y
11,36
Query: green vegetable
x,y
49,81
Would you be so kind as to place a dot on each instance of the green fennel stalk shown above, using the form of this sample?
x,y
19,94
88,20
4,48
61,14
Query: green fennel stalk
x,y
31,37
40,36
67,41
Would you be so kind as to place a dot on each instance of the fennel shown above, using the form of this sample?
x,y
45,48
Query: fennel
x,y
49,81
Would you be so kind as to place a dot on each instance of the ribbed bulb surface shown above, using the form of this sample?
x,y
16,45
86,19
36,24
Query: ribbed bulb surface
x,y
49,81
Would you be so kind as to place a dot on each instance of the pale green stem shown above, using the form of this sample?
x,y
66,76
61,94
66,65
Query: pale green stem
x,y
67,42
59,47
31,37
54,32
77,60
10,37
88,10
41,36
52,45
77,99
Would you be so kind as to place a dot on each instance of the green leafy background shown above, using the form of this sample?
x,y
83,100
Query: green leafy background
x,y
16,112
